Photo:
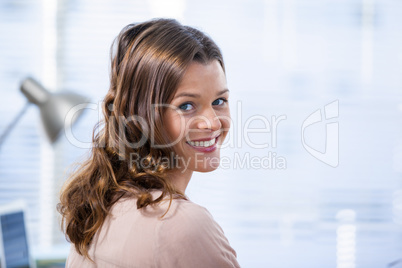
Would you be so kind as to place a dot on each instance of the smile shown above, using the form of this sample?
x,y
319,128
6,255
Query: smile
x,y
204,145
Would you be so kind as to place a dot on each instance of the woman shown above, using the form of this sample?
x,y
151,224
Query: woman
x,y
166,115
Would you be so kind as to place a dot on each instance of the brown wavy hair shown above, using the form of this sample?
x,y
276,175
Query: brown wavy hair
x,y
148,61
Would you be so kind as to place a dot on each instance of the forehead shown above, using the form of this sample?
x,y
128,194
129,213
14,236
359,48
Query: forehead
x,y
203,77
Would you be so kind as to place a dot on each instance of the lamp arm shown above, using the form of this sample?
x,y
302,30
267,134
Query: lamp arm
x,y
10,127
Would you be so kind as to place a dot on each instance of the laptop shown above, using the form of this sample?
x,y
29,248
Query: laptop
x,y
14,244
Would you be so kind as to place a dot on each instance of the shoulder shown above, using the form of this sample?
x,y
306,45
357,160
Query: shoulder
x,y
190,237
187,214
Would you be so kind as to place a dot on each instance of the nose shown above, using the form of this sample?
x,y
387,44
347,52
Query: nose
x,y
209,120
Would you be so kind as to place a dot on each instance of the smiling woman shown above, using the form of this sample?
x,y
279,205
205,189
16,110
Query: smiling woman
x,y
167,100
202,101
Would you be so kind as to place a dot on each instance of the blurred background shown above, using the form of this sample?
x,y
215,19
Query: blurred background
x,y
324,191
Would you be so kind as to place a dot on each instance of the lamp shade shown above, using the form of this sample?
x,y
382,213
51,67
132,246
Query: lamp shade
x,y
54,107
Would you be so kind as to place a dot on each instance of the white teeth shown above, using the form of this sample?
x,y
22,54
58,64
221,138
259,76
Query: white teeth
x,y
203,143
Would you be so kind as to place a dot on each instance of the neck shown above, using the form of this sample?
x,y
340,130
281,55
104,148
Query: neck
x,y
180,178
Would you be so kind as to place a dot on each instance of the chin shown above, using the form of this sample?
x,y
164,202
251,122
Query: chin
x,y
206,169
206,163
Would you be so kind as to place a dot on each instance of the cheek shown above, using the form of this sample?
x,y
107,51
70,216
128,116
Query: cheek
x,y
177,137
174,126
226,121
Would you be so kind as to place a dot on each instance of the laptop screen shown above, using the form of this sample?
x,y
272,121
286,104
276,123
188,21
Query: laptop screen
x,y
14,240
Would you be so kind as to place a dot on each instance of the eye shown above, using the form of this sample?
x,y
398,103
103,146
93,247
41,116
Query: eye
x,y
219,101
186,106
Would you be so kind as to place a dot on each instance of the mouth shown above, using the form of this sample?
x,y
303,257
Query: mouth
x,y
204,145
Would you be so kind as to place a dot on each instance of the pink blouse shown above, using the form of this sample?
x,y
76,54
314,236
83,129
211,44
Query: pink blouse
x,y
187,236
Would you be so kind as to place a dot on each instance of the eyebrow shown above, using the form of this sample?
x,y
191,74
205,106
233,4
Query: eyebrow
x,y
185,94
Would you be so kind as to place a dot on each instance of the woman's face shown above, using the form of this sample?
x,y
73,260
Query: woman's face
x,y
198,118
